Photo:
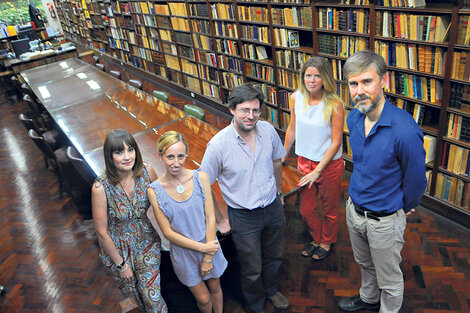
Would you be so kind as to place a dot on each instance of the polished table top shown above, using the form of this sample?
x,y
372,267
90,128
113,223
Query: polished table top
x,y
55,71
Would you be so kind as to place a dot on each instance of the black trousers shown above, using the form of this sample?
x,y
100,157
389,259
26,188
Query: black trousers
x,y
258,236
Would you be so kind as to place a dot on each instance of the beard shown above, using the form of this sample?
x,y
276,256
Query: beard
x,y
242,127
364,109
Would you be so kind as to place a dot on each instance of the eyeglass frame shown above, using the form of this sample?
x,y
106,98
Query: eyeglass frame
x,y
246,112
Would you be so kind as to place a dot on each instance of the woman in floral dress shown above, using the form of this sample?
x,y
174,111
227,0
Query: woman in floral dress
x,y
130,246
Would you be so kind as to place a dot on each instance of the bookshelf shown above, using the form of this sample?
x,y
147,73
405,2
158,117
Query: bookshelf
x,y
204,48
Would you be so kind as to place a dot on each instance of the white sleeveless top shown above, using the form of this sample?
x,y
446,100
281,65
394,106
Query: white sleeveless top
x,y
312,134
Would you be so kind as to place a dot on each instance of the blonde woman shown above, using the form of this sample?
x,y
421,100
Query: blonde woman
x,y
316,126
183,207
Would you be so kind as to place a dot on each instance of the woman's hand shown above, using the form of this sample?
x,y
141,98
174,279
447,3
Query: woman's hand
x,y
210,247
126,273
310,178
206,268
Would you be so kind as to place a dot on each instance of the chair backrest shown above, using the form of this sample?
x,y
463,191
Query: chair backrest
x,y
116,74
95,60
80,165
161,95
32,105
195,111
29,123
42,145
100,66
136,83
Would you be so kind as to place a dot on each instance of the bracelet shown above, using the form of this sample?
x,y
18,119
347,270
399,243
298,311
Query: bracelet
x,y
124,268
205,261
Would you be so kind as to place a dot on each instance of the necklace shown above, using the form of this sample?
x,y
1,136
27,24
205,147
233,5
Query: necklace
x,y
180,188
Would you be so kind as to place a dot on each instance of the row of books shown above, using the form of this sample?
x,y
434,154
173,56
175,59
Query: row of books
x,y
254,52
460,97
456,159
285,120
210,90
414,86
179,23
208,58
201,26
209,73
253,14
227,46
413,27
458,127
192,83
169,48
402,3
256,33
183,38
187,52
286,38
202,41
231,80
226,29
463,37
427,59
343,46
161,9
199,10
283,98
461,66
270,114
452,189
351,20
291,59
288,79
269,93
230,63
299,17
172,62
147,20
222,11
260,71
178,8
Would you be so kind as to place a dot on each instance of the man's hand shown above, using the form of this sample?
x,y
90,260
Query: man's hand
x,y
410,212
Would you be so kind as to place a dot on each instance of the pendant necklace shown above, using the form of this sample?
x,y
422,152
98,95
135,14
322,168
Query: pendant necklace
x,y
180,188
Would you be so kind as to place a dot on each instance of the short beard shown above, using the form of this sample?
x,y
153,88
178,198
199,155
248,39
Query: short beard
x,y
363,109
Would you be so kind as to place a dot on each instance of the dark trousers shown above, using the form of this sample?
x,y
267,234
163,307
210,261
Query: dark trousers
x,y
258,236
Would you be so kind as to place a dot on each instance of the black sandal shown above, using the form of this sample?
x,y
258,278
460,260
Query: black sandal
x,y
308,249
321,253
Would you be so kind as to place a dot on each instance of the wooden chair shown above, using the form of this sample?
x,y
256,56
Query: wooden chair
x,y
57,159
96,60
161,95
50,136
136,83
195,111
100,66
116,74
80,185
80,165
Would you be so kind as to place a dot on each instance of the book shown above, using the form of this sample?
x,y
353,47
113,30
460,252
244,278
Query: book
x,y
293,36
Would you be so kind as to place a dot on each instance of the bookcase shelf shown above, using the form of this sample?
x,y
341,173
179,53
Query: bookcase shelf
x,y
209,39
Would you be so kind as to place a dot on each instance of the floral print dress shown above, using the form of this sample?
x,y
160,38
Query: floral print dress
x,y
136,241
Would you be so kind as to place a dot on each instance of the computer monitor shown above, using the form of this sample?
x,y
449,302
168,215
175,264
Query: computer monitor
x,y
27,32
20,46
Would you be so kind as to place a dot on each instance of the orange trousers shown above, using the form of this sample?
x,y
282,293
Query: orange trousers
x,y
323,229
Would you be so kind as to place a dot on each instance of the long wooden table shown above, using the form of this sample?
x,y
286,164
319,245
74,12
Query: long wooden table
x,y
87,103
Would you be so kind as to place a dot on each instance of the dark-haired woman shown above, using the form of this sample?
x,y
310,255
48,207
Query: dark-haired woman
x,y
130,246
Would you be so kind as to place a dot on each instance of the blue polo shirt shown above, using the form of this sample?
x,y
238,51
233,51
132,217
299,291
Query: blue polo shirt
x,y
389,165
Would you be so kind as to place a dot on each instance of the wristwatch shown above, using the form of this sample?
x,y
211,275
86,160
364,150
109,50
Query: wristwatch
x,y
120,266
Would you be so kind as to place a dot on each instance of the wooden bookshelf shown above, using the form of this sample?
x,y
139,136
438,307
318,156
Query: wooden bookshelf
x,y
206,47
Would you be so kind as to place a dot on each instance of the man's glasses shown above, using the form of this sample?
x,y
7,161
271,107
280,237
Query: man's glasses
x,y
246,112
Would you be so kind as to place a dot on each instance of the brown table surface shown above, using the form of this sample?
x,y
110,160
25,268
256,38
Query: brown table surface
x,y
55,71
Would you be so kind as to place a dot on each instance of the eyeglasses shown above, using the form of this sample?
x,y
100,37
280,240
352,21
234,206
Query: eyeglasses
x,y
246,112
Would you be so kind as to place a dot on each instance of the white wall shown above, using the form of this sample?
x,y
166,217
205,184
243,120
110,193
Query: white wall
x,y
54,22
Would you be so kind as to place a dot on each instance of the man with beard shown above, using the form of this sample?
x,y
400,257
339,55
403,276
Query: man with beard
x,y
245,157
387,183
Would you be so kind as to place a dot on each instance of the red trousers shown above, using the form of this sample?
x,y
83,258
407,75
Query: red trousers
x,y
323,229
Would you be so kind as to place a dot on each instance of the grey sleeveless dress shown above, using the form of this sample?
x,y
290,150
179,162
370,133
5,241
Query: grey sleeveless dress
x,y
188,219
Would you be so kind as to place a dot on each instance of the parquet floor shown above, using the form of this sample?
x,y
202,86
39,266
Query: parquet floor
x,y
49,264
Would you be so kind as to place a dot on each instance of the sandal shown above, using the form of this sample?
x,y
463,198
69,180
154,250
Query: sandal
x,y
320,253
308,249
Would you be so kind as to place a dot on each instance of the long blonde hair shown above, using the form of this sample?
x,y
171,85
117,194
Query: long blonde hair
x,y
329,97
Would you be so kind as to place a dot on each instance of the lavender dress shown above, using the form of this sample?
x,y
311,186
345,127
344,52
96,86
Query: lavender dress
x,y
188,219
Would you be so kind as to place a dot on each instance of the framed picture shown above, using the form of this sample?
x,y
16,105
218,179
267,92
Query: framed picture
x,y
293,38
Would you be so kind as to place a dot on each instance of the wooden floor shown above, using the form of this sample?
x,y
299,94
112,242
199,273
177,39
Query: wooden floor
x,y
48,263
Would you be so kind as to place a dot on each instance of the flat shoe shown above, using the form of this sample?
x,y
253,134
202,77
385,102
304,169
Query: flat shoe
x,y
308,249
320,253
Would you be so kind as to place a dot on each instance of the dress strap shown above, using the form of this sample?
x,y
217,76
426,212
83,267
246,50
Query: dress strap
x,y
197,184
